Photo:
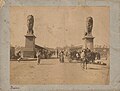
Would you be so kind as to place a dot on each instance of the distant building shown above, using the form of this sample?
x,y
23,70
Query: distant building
x,y
37,47
45,51
104,51
76,48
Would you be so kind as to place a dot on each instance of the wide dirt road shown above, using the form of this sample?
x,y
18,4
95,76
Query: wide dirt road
x,y
51,71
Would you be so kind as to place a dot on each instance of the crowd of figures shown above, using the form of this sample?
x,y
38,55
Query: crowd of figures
x,y
85,56
45,54
42,54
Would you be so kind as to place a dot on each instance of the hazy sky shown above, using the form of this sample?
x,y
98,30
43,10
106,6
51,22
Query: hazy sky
x,y
59,26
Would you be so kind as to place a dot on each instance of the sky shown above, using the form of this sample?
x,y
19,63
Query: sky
x,y
59,26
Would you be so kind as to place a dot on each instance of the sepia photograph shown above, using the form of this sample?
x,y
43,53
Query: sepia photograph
x,y
59,45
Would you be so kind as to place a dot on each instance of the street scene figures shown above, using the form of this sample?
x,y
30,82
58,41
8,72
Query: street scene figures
x,y
65,45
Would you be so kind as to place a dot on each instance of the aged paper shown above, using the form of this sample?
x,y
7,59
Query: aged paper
x,y
59,29
59,45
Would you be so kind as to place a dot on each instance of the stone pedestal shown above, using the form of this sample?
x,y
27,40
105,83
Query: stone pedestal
x,y
29,50
88,42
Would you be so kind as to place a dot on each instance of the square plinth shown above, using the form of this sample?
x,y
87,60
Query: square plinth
x,y
29,53
89,42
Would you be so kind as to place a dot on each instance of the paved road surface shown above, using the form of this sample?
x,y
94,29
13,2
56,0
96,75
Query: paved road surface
x,y
51,71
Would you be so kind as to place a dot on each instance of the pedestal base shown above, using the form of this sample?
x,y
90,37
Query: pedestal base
x,y
88,40
28,53
29,50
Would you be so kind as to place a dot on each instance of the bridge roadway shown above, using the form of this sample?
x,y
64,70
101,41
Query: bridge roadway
x,y
51,71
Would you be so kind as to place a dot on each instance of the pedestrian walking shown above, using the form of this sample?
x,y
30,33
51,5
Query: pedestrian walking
x,y
61,57
69,56
38,57
82,55
84,59
20,56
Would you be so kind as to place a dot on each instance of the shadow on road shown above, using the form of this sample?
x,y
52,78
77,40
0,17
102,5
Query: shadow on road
x,y
94,68
46,64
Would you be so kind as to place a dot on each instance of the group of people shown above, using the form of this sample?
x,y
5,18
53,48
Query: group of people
x,y
39,55
85,56
46,53
75,55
